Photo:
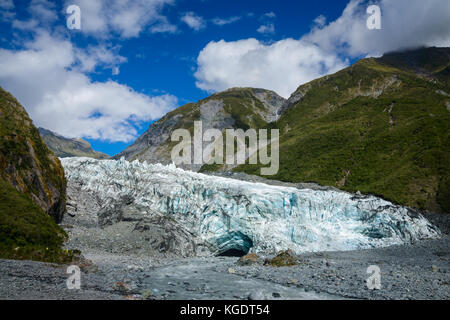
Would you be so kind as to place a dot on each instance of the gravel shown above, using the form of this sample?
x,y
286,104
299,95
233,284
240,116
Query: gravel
x,y
419,271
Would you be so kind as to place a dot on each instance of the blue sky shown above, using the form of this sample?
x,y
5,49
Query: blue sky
x,y
131,62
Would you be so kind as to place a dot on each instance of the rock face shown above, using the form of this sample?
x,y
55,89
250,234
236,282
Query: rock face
x,y
26,162
201,214
66,147
379,126
235,108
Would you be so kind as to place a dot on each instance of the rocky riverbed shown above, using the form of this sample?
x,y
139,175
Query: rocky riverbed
x,y
417,271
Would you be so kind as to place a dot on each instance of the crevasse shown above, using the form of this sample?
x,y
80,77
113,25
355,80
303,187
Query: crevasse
x,y
236,215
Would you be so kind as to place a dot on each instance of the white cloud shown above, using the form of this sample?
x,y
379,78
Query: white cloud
x,y
6,4
193,21
127,18
405,24
42,15
269,15
6,10
281,66
44,10
47,78
225,21
320,21
94,56
284,65
25,24
269,28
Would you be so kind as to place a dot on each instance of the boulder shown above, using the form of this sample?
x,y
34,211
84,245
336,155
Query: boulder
x,y
282,259
249,259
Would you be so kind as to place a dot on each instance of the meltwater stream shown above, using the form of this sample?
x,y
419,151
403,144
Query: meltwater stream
x,y
234,216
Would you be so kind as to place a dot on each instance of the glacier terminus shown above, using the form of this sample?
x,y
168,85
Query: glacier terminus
x,y
228,216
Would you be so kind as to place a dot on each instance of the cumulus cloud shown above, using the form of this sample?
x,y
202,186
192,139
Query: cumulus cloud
x,y
281,66
405,24
284,65
193,21
127,18
47,77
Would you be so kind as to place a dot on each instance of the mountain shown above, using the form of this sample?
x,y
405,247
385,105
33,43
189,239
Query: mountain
x,y
380,126
33,188
65,147
235,108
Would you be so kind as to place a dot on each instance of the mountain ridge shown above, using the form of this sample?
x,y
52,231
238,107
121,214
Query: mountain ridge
x,y
379,126
64,147
375,127
239,108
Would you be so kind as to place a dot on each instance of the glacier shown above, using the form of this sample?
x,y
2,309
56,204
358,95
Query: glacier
x,y
231,215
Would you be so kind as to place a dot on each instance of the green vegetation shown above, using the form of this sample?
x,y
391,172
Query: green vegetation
x,y
282,259
377,127
211,167
32,190
243,107
25,160
239,104
27,232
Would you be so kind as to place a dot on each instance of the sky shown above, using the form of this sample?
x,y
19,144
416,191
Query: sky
x,y
132,61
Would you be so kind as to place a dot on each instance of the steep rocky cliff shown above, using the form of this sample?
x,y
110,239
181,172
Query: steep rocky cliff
x,y
235,108
32,190
26,162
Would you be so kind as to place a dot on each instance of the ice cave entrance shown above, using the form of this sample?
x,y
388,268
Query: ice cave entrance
x,y
234,244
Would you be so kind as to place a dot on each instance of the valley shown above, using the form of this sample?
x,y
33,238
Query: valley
x,y
363,181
